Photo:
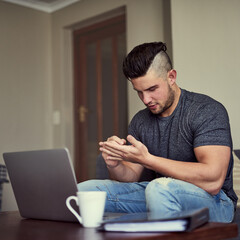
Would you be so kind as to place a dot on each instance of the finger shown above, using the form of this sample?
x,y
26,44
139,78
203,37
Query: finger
x,y
133,140
113,150
123,141
112,158
109,152
117,139
116,148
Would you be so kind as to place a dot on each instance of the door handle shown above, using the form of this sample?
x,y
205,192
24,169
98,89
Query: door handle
x,y
82,110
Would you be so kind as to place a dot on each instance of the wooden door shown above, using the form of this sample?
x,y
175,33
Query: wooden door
x,y
100,90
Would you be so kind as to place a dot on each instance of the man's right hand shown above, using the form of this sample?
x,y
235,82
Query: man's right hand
x,y
106,153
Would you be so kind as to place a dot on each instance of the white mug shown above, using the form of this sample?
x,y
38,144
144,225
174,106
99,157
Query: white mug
x,y
91,207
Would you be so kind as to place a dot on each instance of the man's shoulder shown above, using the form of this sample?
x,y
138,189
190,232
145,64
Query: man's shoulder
x,y
197,97
199,100
198,108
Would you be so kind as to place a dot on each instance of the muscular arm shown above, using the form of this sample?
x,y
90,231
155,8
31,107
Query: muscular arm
x,y
208,173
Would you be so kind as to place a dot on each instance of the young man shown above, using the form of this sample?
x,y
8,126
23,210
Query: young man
x,y
182,138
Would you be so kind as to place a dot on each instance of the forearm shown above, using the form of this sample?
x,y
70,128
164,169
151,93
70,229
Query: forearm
x,y
208,176
125,172
185,171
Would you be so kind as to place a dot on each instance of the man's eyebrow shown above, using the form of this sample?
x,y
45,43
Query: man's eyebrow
x,y
152,87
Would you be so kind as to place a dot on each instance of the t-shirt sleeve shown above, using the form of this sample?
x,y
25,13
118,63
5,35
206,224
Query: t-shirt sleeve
x,y
211,126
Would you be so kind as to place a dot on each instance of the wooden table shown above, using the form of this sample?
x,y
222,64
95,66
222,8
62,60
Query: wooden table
x,y
13,227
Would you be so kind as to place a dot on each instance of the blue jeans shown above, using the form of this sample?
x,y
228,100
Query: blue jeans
x,y
165,195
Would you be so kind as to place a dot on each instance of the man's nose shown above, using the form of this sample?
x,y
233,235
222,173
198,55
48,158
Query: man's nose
x,y
146,98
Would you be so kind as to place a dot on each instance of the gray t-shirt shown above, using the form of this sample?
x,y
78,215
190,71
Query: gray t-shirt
x,y
198,120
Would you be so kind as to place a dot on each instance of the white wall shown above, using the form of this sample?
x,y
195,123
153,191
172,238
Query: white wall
x,y
25,92
206,51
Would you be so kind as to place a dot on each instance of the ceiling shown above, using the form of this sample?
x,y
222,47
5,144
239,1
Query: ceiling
x,y
44,5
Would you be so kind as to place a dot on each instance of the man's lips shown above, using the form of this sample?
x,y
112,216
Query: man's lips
x,y
152,106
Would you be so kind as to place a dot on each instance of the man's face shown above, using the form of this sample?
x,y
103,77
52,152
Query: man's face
x,y
156,93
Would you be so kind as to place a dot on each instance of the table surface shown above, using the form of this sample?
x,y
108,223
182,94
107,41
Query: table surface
x,y
13,227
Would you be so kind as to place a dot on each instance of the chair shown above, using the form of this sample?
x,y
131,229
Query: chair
x,y
236,186
3,179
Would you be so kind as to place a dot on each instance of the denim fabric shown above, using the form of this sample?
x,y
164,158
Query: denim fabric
x,y
121,197
165,195
169,195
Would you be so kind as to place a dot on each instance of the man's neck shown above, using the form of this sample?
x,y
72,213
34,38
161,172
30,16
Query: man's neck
x,y
177,94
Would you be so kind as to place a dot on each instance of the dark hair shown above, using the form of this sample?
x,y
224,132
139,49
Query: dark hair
x,y
138,61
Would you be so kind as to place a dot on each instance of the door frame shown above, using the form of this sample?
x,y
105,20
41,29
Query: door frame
x,y
80,87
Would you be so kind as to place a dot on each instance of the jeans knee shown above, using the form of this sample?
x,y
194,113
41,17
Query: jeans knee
x,y
160,196
90,185
157,185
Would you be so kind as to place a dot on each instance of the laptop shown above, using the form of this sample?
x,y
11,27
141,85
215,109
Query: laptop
x,y
237,152
41,182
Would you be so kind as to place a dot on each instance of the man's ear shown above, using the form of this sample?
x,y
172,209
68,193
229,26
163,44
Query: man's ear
x,y
172,76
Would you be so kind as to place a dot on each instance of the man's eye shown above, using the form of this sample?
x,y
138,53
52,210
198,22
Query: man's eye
x,y
152,89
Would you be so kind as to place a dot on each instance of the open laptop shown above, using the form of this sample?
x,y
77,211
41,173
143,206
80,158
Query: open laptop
x,y
237,152
41,182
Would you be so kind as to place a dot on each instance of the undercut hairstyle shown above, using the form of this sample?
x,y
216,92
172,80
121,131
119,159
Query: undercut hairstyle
x,y
145,58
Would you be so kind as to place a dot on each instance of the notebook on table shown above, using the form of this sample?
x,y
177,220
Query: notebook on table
x,y
155,222
41,182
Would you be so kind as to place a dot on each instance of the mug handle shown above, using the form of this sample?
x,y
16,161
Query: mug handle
x,y
71,209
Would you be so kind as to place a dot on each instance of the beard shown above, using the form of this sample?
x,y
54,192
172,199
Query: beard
x,y
161,108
